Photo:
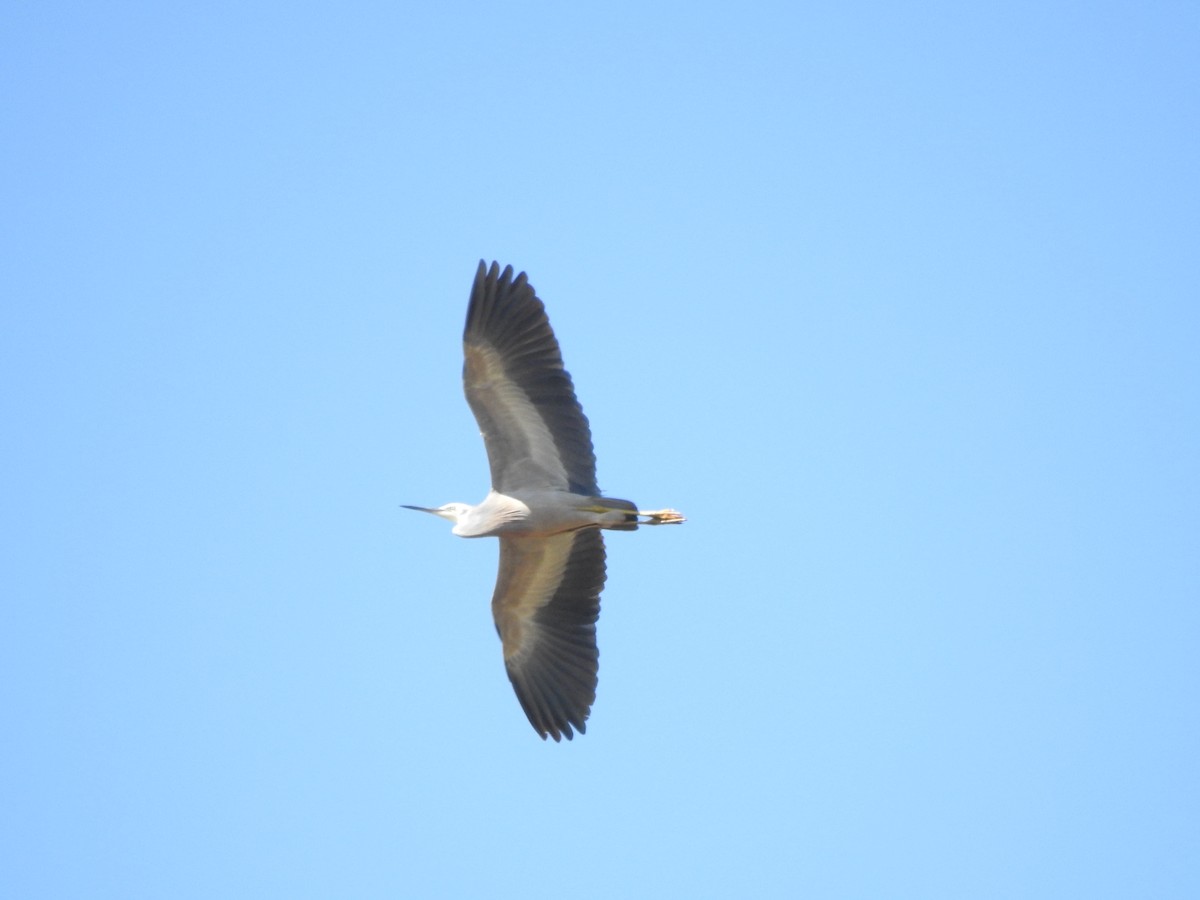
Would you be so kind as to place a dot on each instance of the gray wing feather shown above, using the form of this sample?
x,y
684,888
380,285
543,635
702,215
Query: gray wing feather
x,y
546,604
523,399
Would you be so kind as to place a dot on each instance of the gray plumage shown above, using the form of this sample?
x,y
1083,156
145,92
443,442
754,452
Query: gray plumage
x,y
544,504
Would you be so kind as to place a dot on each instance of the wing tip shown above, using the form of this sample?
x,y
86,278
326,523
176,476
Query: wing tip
x,y
486,274
560,730
497,294
555,717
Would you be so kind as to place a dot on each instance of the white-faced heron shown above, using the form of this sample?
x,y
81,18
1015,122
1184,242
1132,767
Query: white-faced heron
x,y
544,504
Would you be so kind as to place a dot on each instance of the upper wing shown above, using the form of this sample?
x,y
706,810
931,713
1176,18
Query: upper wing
x,y
535,431
546,604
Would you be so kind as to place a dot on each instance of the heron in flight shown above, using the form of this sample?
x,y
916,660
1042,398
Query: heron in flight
x,y
544,504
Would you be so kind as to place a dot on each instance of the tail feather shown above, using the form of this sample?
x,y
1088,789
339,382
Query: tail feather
x,y
628,522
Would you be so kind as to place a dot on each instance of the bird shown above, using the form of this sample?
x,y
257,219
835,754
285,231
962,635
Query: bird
x,y
544,504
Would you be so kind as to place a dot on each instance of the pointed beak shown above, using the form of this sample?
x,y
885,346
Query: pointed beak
x,y
420,508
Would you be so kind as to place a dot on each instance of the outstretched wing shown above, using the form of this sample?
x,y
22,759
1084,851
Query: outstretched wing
x,y
535,431
546,604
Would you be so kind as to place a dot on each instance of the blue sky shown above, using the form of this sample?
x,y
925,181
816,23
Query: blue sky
x,y
900,304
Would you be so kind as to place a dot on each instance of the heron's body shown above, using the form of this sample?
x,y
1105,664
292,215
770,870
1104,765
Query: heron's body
x,y
543,513
544,504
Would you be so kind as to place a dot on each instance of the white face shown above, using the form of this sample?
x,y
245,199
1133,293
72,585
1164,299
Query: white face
x,y
452,511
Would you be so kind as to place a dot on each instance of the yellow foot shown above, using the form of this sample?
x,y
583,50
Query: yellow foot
x,y
662,516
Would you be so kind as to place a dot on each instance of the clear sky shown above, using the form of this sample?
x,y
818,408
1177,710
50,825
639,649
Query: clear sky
x,y
899,303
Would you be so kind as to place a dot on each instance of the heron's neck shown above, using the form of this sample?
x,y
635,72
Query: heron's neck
x,y
497,513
